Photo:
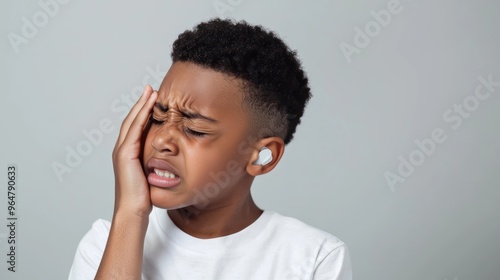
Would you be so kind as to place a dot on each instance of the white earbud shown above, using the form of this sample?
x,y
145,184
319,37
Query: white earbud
x,y
265,157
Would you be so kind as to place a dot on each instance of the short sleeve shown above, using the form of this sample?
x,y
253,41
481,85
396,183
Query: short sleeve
x,y
335,266
89,251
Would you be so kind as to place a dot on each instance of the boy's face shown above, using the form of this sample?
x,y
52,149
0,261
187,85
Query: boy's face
x,y
198,125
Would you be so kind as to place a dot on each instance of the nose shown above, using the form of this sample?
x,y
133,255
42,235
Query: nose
x,y
164,141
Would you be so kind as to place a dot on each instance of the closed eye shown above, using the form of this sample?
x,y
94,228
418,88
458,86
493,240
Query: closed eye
x,y
195,133
154,120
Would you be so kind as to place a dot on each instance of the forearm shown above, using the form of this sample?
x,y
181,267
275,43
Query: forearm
x,y
122,257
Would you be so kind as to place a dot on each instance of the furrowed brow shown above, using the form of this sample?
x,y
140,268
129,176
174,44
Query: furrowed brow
x,y
187,114
161,107
195,115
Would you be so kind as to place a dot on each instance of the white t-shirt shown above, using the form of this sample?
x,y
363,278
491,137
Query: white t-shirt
x,y
273,247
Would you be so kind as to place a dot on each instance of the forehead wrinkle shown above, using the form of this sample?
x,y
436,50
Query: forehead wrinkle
x,y
182,102
185,89
183,106
171,99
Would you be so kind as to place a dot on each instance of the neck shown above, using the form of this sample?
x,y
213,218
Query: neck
x,y
216,221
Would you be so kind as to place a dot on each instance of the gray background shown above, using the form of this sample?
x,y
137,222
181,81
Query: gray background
x,y
440,223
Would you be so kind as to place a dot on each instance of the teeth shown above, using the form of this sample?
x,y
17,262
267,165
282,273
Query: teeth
x,y
165,174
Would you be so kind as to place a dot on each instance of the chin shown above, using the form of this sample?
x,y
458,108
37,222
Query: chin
x,y
166,200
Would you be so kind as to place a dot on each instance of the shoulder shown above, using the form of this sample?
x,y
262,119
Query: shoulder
x,y
296,229
319,253
97,235
89,252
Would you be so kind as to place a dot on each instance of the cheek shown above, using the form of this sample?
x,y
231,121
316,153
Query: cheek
x,y
213,159
201,161
198,157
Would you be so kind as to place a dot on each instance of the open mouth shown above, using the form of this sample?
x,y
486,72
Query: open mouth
x,y
164,173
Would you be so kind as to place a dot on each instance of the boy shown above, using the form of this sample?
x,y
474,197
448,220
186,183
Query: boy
x,y
184,162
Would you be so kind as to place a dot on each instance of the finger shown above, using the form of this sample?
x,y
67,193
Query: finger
x,y
135,130
133,112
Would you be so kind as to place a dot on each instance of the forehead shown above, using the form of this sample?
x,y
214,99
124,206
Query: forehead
x,y
193,87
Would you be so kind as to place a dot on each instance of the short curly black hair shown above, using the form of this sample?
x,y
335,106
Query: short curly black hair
x,y
276,88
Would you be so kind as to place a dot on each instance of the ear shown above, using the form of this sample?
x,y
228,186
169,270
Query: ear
x,y
277,147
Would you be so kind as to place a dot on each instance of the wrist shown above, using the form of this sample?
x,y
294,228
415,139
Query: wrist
x,y
123,255
130,208
130,217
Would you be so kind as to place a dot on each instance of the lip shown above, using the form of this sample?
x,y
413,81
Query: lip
x,y
160,181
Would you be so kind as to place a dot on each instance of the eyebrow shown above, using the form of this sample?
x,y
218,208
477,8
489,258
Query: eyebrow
x,y
187,114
